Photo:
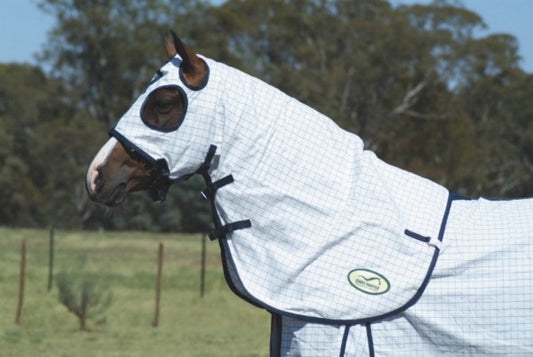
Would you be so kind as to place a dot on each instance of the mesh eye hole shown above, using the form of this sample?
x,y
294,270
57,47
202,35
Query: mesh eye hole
x,y
165,108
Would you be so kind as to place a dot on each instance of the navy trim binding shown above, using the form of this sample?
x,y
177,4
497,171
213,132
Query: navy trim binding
x,y
132,148
190,86
204,171
245,295
182,115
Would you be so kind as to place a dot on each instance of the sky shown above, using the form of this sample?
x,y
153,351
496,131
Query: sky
x,y
24,27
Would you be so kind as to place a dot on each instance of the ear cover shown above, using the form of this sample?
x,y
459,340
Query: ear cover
x,y
192,86
193,69
169,44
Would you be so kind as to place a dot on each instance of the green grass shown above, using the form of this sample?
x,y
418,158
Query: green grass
x,y
219,324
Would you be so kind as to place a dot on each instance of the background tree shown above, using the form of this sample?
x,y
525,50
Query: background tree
x,y
105,53
414,82
395,76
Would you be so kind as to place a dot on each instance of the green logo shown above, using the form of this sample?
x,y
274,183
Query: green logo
x,y
368,281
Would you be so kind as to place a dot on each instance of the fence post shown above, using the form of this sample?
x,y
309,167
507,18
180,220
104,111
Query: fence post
x,y
51,259
202,271
155,323
22,278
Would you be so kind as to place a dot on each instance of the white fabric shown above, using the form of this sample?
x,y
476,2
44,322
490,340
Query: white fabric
x,y
183,149
479,300
300,338
321,208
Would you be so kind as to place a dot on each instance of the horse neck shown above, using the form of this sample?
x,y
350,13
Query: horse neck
x,y
251,108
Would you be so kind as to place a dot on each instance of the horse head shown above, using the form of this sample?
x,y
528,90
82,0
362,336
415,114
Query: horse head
x,y
136,157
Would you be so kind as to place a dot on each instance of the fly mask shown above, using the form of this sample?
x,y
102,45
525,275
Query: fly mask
x,y
176,150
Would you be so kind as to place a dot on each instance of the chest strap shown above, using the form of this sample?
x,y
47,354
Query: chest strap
x,y
223,231
209,193
204,167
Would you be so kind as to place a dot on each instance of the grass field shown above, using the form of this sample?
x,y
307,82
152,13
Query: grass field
x,y
219,324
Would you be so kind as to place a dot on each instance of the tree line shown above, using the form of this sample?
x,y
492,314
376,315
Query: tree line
x,y
415,82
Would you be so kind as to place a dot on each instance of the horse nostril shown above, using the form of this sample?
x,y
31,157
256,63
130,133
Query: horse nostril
x,y
99,179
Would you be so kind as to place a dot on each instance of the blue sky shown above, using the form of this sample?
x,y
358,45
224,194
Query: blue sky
x,y
24,28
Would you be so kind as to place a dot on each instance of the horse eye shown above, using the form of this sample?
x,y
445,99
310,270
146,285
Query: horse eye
x,y
164,109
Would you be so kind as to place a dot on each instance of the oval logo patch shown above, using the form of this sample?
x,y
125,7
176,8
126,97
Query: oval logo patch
x,y
368,281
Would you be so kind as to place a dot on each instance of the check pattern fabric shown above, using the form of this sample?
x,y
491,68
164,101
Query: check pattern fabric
x,y
477,303
342,245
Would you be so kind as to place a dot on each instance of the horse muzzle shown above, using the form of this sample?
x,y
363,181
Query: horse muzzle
x,y
118,169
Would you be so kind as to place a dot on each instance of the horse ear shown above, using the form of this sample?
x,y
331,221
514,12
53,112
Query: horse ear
x,y
194,68
168,43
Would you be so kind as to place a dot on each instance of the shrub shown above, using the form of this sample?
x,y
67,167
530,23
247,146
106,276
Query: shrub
x,y
84,295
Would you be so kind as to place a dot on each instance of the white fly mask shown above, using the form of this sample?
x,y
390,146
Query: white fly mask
x,y
310,224
178,150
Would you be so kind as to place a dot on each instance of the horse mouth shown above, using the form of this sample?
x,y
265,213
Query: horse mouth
x,y
117,196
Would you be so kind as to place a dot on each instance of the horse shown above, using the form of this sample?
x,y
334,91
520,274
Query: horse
x,y
350,255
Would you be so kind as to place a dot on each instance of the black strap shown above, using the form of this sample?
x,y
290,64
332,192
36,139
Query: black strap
x,y
223,231
342,352
370,340
220,231
276,325
158,189
210,190
207,162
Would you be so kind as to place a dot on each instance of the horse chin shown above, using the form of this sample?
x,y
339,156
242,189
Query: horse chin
x,y
117,196
113,199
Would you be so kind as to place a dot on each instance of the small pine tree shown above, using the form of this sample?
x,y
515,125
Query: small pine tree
x,y
84,295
